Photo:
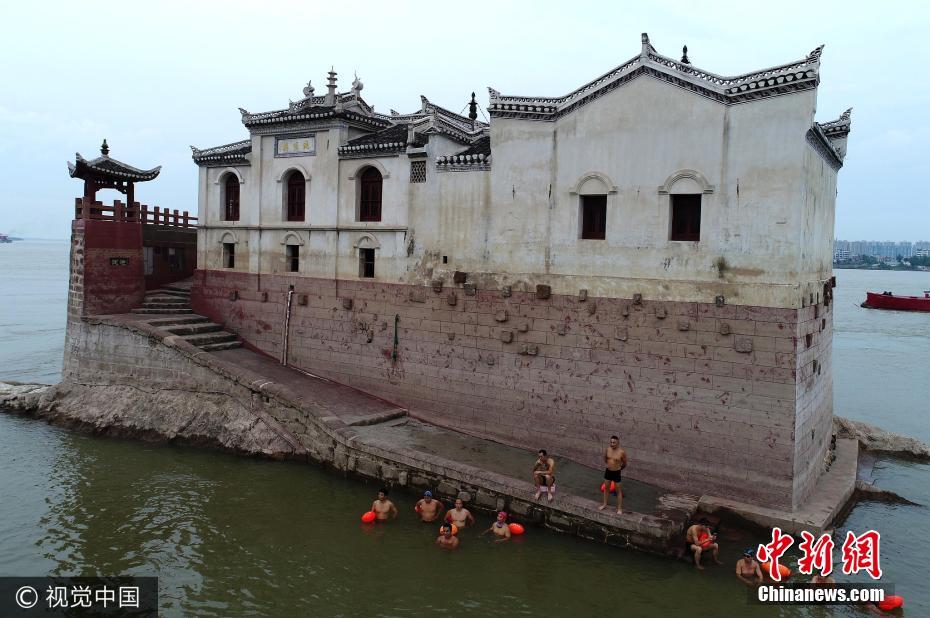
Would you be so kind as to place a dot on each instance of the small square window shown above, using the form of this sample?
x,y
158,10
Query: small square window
x,y
292,257
418,171
366,263
229,255
593,217
686,217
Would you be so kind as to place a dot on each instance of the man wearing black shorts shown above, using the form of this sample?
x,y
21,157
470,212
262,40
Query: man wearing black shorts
x,y
615,460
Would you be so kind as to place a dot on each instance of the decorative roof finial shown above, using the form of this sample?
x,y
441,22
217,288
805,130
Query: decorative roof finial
x,y
357,85
473,108
331,88
647,46
815,53
309,89
684,55
104,149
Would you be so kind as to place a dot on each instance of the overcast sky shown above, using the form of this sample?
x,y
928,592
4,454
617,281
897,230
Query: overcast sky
x,y
154,77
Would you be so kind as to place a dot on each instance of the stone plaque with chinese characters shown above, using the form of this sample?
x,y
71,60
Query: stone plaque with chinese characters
x,y
295,145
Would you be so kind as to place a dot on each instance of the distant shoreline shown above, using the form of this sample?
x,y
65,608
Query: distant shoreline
x,y
918,269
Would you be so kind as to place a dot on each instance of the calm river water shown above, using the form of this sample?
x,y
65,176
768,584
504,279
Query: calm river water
x,y
230,536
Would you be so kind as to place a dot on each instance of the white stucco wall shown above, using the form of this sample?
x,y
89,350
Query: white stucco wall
x,y
766,215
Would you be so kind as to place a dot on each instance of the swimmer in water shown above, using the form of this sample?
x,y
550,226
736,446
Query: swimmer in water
x,y
500,528
428,508
748,570
384,509
460,516
446,540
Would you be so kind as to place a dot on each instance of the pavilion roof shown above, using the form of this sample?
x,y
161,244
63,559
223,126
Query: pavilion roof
x,y
106,168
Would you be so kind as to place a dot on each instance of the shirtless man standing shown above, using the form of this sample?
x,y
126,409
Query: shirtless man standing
x,y
700,539
747,569
544,474
615,460
445,539
384,509
428,508
459,515
500,528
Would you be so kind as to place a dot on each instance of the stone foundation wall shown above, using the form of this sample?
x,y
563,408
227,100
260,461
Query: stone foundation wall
x,y
131,380
706,399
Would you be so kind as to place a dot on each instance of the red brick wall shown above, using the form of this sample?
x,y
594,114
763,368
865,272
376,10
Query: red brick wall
x,y
698,408
106,288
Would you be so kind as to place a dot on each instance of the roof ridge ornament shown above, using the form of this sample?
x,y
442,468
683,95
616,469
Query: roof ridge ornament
x,y
357,86
330,99
309,89
473,108
684,55
815,54
647,46
104,149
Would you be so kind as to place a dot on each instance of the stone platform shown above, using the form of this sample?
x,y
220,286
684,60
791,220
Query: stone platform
x,y
125,376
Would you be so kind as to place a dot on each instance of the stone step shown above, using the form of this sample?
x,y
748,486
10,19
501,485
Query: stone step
x,y
208,338
172,293
150,305
172,300
401,420
383,418
217,347
174,287
148,311
185,319
197,328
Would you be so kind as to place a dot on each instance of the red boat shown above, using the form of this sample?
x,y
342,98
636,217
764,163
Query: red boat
x,y
887,300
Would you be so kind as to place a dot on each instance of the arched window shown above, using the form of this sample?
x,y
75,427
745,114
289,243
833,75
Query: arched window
x,y
231,198
369,206
296,196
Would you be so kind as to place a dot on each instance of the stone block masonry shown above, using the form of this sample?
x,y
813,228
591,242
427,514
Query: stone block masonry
x,y
722,400
128,378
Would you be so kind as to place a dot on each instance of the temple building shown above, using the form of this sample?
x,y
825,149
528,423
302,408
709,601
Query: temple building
x,y
648,255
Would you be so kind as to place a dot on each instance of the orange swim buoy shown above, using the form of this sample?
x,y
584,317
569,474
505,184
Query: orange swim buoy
x,y
890,603
782,570
455,529
705,541
515,529
368,517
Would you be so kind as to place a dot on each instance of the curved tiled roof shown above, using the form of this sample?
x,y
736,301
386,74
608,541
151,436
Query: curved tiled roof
x,y
792,77
477,156
236,153
107,168
390,140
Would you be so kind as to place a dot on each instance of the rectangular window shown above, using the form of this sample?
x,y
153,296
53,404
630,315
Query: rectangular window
x,y
229,255
366,263
686,217
593,217
418,171
292,253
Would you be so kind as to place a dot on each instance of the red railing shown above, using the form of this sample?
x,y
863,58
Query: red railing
x,y
132,213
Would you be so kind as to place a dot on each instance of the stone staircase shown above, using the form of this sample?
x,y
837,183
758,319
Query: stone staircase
x,y
172,304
